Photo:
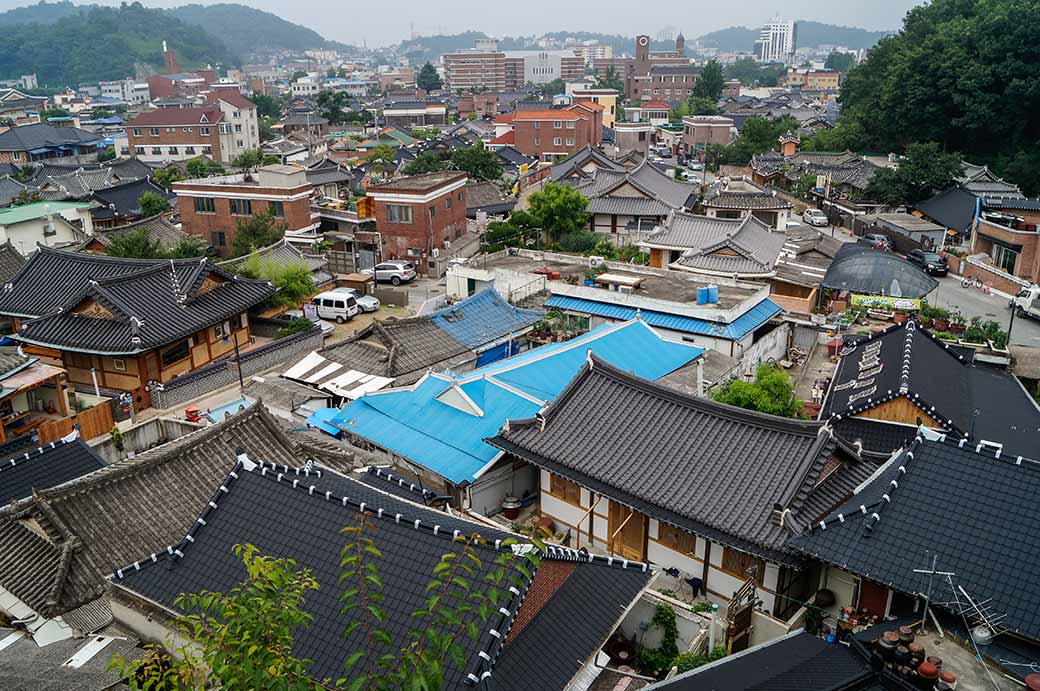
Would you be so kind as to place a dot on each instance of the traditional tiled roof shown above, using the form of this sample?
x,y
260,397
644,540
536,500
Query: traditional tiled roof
x,y
627,438
25,665
717,245
159,229
102,521
954,208
974,509
486,196
269,507
284,254
54,464
661,194
123,199
484,319
970,400
152,307
743,195
805,256
42,135
11,261
9,189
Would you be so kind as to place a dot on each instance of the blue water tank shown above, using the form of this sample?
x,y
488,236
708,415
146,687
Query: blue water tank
x,y
713,293
702,295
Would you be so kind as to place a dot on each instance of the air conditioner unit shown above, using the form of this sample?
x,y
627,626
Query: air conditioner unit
x,y
596,261
627,290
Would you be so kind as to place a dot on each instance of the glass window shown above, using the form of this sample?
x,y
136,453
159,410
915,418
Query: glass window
x,y
204,131
277,209
189,150
238,128
217,239
137,131
173,150
205,205
570,124
174,353
557,141
570,141
154,131
241,207
557,124
1005,258
157,151
398,213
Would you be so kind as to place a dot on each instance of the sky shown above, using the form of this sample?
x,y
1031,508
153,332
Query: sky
x,y
382,23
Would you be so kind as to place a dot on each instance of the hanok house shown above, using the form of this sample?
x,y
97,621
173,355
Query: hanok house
x,y
890,383
966,511
573,600
59,542
740,197
644,472
210,208
419,216
159,229
803,262
45,467
120,324
624,205
736,248
582,165
30,393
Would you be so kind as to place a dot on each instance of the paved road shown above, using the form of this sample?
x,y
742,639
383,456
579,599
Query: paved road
x,y
972,302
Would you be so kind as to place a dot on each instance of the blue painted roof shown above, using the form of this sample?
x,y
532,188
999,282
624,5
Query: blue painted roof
x,y
483,319
320,419
441,421
735,330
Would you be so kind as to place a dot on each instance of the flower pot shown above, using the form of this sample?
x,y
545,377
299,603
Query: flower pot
x,y
941,325
995,349
958,328
900,318
972,344
926,323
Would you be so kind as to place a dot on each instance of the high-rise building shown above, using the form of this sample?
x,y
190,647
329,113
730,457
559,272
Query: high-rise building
x,y
776,42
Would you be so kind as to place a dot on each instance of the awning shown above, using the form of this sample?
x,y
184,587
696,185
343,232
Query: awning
x,y
30,377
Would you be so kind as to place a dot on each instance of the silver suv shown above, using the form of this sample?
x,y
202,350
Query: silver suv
x,y
396,272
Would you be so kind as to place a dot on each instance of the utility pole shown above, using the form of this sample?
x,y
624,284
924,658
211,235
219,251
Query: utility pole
x,y
928,593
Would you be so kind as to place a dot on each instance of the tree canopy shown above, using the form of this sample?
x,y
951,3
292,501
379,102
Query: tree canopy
x,y
426,162
710,83
152,204
480,163
924,171
841,62
267,106
758,135
428,79
256,231
770,392
559,209
961,73
610,79
752,73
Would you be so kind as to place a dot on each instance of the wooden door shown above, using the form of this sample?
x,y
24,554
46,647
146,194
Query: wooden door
x,y
873,597
627,532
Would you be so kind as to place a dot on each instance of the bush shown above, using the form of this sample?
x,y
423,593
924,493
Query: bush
x,y
684,662
294,326
578,242
657,661
770,392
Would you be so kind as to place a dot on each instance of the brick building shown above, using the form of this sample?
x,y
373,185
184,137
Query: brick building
x,y
476,69
701,130
671,83
418,216
1012,240
210,208
812,80
223,129
635,71
553,134
487,67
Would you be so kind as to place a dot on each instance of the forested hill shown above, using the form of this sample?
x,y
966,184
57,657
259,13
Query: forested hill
x,y
809,34
98,43
244,29
41,13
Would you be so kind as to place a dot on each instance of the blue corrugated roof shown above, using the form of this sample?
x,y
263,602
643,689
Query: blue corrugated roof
x,y
320,419
482,319
735,330
441,421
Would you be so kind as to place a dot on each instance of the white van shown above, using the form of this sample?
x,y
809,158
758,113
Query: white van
x,y
338,306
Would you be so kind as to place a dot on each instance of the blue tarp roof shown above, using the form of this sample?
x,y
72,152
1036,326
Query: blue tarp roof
x,y
735,330
483,319
441,421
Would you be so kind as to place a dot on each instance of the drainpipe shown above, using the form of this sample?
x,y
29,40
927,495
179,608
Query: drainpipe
x,y
700,376
93,375
711,631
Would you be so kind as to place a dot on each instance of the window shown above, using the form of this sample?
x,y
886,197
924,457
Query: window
x,y
570,141
225,129
398,213
238,128
676,538
1005,258
174,353
189,150
570,124
433,211
171,130
173,150
188,130
139,150
557,124
205,205
125,150
447,202
236,114
537,141
277,209
562,488
119,364
153,131
537,125
222,330
217,239
157,151
737,563
240,144
137,131
204,131
241,207
557,141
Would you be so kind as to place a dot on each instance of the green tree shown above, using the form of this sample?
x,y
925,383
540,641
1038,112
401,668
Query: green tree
x,y
480,163
840,62
805,184
556,86
752,73
710,83
187,247
202,168
428,79
771,392
48,113
266,106
922,172
26,196
152,204
333,105
758,135
426,162
165,177
698,105
298,74
610,79
266,126
293,280
256,231
559,209
137,244
106,154
381,158
248,160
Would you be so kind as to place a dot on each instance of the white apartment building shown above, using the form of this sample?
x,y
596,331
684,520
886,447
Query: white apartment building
x,y
776,42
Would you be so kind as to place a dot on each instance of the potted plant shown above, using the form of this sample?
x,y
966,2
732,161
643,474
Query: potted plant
x,y
957,325
926,316
940,318
590,276
901,316
974,335
946,336
996,337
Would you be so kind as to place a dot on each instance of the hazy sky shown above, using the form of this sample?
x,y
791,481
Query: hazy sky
x,y
381,23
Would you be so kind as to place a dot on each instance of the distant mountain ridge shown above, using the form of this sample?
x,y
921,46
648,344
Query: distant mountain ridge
x,y
244,29
809,34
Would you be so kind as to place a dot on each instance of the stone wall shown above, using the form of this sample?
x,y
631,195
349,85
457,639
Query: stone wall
x,y
188,387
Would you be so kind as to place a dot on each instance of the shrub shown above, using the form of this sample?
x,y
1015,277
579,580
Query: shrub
x,y
684,662
296,325
657,661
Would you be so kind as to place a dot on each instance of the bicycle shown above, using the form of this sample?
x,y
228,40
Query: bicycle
x,y
969,282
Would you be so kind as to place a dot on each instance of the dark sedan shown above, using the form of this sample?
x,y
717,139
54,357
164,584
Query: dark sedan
x,y
930,262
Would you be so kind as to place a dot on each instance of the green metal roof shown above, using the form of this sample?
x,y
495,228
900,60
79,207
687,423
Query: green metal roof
x,y
28,212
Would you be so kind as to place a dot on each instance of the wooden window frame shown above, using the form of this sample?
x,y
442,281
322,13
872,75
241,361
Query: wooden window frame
x,y
736,563
677,539
565,490
119,364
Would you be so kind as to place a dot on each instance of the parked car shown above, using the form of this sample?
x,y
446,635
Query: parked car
x,y
931,262
694,165
880,242
367,303
815,217
336,306
396,272
663,152
327,329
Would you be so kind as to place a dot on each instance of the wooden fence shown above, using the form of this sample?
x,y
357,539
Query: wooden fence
x,y
92,423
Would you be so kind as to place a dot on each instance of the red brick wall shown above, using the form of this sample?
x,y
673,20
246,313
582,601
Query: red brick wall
x,y
297,216
178,137
1028,265
584,132
423,233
